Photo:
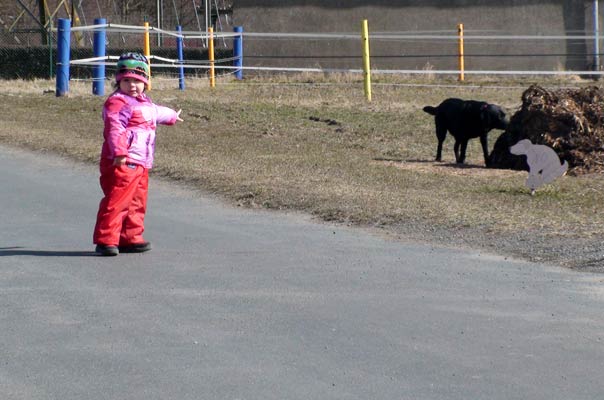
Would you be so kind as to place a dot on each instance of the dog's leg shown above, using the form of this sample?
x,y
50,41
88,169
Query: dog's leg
x,y
441,134
485,149
439,151
456,150
462,152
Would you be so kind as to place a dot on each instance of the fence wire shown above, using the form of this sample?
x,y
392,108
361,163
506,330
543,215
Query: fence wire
x,y
29,54
33,54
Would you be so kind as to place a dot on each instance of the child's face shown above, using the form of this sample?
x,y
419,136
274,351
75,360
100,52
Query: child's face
x,y
132,87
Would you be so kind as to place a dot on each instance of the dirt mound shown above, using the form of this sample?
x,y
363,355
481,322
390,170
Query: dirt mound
x,y
571,121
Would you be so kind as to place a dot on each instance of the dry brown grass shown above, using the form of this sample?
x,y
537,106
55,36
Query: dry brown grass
x,y
313,144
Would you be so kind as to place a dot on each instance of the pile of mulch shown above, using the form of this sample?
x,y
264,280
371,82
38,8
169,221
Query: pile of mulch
x,y
571,121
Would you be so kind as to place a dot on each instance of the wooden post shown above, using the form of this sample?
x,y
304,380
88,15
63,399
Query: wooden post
x,y
461,60
366,60
211,56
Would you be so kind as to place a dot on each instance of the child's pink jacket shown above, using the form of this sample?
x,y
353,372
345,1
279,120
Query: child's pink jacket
x,y
130,124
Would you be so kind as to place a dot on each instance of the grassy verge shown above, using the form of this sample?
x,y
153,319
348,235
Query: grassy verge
x,y
314,145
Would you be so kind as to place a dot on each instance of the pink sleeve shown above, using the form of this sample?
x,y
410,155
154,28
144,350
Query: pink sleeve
x,y
165,115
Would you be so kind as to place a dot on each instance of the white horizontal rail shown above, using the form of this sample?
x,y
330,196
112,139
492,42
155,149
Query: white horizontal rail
x,y
426,35
168,63
118,28
328,35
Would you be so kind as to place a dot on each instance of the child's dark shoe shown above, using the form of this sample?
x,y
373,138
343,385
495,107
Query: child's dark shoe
x,y
107,250
135,247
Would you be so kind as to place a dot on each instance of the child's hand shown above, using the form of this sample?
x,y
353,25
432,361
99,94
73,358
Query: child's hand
x,y
178,115
119,160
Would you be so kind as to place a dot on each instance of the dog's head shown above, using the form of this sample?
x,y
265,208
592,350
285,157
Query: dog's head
x,y
493,117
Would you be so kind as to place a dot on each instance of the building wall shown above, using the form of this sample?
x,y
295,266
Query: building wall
x,y
529,17
503,17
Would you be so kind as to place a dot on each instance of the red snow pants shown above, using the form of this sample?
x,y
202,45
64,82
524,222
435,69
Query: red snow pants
x,y
121,215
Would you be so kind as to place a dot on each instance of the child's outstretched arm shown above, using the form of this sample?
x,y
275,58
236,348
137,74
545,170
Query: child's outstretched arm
x,y
167,116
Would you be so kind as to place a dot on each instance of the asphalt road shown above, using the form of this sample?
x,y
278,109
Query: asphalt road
x,y
239,304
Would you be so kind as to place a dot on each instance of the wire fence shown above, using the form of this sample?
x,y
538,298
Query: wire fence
x,y
429,52
32,54
24,57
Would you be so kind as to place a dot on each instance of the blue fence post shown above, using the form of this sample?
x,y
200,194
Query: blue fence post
x,y
181,68
63,50
238,52
99,47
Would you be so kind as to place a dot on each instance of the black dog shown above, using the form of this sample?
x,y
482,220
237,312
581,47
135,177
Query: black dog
x,y
465,120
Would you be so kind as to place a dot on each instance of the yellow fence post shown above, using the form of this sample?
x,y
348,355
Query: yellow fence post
x,y
366,60
211,56
147,51
461,60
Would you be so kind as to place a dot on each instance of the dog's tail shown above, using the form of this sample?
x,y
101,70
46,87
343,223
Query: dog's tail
x,y
430,110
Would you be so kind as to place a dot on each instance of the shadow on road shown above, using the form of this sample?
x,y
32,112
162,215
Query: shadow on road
x,y
20,251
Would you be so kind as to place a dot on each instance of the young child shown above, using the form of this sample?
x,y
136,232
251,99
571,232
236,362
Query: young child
x,y
127,155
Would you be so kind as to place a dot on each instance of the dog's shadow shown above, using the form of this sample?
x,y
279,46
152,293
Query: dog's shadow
x,y
430,162
461,166
21,251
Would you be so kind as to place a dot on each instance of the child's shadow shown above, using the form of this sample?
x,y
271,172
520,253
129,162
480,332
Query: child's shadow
x,y
20,251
